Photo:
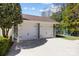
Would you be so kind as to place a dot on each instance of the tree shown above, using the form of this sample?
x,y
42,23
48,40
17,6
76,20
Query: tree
x,y
58,17
58,14
70,18
10,15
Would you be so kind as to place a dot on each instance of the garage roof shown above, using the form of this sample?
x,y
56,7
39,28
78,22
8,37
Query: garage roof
x,y
37,18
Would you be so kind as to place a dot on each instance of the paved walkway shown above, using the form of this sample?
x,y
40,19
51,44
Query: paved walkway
x,y
48,47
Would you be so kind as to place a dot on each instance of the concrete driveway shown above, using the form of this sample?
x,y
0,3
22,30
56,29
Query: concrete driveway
x,y
48,47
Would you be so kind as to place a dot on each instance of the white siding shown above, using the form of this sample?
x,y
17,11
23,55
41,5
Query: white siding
x,y
46,30
27,31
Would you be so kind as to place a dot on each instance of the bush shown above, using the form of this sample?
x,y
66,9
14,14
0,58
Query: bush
x,y
5,45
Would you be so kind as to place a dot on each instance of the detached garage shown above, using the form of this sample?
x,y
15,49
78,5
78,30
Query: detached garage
x,y
36,27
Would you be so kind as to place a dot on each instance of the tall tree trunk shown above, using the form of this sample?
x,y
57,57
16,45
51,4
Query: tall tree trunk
x,y
15,31
7,31
3,32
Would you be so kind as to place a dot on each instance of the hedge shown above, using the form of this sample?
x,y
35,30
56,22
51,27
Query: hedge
x,y
5,45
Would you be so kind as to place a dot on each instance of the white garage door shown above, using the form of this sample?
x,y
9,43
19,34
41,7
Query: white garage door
x,y
28,31
46,30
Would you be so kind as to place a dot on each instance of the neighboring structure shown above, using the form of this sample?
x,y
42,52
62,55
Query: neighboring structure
x,y
50,10
47,12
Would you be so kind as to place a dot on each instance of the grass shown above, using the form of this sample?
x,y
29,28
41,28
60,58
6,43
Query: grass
x,y
68,37
71,37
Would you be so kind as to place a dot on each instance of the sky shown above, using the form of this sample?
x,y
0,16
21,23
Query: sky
x,y
34,8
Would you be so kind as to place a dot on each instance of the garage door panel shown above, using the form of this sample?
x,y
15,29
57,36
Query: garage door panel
x,y
46,31
28,31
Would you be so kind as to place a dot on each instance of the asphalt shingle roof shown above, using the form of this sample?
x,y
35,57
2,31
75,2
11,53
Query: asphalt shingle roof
x,y
37,18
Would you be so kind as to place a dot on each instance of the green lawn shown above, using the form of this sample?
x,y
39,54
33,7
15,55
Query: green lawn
x,y
68,37
71,37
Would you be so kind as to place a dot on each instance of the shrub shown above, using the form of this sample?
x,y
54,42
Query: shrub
x,y
5,45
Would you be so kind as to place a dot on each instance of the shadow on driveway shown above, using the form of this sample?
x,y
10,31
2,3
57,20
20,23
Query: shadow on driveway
x,y
25,44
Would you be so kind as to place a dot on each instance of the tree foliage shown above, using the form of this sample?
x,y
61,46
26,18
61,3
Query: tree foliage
x,y
70,17
57,16
10,14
